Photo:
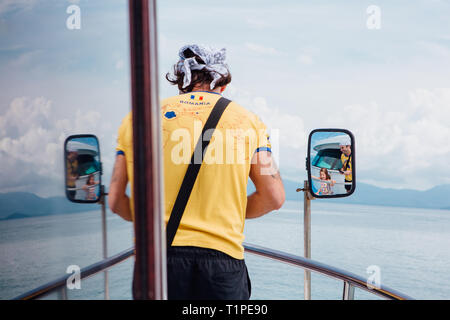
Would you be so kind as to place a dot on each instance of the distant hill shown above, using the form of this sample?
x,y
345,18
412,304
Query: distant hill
x,y
435,198
17,205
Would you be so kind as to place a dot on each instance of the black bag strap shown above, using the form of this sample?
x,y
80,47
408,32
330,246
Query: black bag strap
x,y
347,162
192,171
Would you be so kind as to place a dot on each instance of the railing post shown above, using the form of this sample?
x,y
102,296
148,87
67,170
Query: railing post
x,y
62,293
104,239
307,237
349,291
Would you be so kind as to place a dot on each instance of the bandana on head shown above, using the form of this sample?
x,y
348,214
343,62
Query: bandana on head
x,y
214,62
345,141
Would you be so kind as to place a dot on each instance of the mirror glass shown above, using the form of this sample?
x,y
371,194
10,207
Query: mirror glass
x,y
83,169
331,163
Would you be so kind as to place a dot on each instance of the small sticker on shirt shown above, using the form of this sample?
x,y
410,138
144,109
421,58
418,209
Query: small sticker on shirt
x,y
170,114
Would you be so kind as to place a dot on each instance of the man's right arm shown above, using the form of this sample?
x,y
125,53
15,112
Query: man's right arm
x,y
269,194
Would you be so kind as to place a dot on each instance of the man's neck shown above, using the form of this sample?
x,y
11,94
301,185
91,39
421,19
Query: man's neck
x,y
206,88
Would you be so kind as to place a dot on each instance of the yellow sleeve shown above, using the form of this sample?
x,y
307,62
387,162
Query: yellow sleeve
x,y
263,142
121,144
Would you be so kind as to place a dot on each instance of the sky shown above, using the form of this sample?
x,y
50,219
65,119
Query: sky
x,y
380,72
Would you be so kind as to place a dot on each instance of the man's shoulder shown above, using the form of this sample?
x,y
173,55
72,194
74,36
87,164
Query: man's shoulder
x,y
126,124
127,120
244,114
169,100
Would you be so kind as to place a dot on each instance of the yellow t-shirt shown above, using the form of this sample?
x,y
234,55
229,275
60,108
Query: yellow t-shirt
x,y
344,159
215,213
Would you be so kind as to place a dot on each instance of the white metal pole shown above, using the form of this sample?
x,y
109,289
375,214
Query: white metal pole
x,y
104,238
307,237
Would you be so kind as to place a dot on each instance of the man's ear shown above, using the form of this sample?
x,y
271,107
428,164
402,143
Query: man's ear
x,y
222,89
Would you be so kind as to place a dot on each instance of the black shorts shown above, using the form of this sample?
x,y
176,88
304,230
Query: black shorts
x,y
195,273
348,187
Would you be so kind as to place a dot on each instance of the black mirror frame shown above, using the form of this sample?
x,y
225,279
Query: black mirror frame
x,y
65,167
308,164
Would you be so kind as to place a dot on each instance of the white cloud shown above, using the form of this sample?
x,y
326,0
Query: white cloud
x,y
287,131
305,59
435,49
31,143
257,23
307,54
406,146
26,58
402,147
260,49
7,5
120,64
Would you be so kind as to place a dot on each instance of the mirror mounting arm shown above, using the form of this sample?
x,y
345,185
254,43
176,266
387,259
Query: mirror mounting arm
x,y
308,193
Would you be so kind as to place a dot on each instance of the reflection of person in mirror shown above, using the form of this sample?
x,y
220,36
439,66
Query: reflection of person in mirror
x,y
90,187
346,159
72,172
325,182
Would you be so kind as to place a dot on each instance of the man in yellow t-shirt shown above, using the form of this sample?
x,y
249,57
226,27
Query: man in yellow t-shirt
x,y
346,159
206,259
72,172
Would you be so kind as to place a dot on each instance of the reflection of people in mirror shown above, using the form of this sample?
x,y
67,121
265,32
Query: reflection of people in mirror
x,y
346,159
72,171
326,182
90,187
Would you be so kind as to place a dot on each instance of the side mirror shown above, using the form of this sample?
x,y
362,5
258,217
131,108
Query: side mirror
x,y
331,163
83,168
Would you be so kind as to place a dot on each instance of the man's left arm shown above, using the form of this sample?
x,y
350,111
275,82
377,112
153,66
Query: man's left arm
x,y
118,201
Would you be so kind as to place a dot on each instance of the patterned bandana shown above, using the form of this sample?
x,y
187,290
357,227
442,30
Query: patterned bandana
x,y
214,62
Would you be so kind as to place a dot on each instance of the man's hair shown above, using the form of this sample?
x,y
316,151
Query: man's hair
x,y
197,76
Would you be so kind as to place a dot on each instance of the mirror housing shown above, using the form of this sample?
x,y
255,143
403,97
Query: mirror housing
x,y
83,169
330,163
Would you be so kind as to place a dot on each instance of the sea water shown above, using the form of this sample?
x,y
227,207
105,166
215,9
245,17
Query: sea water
x,y
409,247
